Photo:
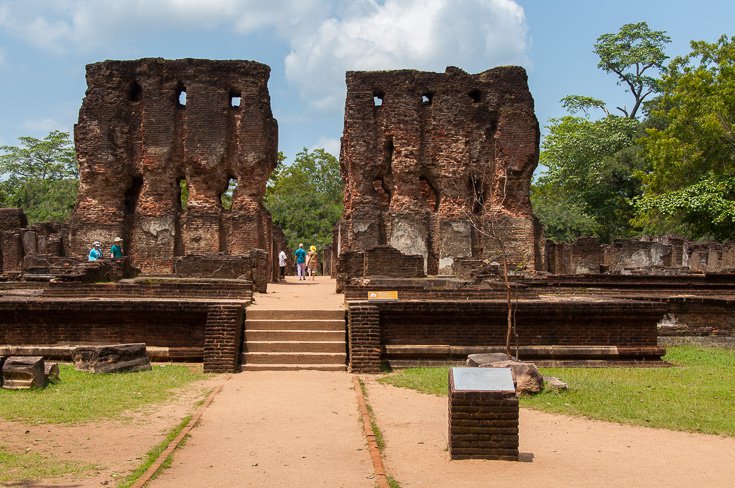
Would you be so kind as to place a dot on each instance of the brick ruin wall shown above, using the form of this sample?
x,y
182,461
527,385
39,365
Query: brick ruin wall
x,y
147,125
647,256
439,165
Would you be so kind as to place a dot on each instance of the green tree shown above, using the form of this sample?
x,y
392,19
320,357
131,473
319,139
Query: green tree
x,y
590,181
40,176
690,188
594,165
305,198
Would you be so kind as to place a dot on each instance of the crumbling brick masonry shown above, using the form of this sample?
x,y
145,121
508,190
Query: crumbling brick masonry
x,y
148,125
440,165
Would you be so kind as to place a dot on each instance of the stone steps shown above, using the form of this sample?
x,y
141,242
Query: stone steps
x,y
303,325
289,340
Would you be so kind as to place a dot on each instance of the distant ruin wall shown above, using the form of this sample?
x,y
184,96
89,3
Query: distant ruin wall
x,y
647,256
439,165
147,125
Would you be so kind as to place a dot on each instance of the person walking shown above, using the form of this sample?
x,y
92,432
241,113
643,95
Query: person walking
x,y
95,253
312,262
300,261
282,259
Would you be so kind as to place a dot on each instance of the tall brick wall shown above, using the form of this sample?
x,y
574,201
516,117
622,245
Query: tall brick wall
x,y
136,141
426,155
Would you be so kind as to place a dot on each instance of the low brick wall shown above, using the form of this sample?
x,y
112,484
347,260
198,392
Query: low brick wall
x,y
557,328
180,324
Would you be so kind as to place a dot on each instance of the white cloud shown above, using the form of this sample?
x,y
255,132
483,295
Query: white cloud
x,y
329,144
421,34
59,25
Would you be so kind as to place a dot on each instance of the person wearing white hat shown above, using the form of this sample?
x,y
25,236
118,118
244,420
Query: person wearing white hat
x,y
116,249
95,253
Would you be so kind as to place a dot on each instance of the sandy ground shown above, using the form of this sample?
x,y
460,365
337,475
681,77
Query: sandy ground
x,y
558,451
115,446
276,429
300,295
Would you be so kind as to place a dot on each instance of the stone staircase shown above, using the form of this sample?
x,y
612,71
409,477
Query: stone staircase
x,y
294,339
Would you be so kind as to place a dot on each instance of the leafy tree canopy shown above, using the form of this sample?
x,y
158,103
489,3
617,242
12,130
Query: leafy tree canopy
x,y
591,177
40,176
691,185
305,198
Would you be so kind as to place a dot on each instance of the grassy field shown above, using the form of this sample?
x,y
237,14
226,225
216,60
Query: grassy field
x,y
697,395
83,397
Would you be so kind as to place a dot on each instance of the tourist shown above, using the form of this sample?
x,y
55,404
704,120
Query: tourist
x,y
116,249
95,253
282,263
300,262
312,261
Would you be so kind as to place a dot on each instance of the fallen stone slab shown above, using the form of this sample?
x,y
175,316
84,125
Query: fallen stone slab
x,y
116,358
23,373
553,383
51,371
486,358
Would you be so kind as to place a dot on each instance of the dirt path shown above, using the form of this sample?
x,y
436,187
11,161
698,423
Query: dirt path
x,y
116,447
276,429
293,294
563,451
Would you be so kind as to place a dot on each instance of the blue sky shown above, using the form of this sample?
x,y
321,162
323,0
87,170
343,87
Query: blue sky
x,y
309,44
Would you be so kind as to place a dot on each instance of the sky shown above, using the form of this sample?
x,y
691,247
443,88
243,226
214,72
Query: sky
x,y
310,44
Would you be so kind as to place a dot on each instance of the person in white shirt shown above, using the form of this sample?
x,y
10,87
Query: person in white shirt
x,y
282,262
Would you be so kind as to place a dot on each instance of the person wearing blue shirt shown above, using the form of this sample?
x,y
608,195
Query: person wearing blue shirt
x,y
116,249
95,253
301,262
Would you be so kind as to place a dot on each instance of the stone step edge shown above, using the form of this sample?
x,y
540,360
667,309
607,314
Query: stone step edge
x,y
293,367
295,342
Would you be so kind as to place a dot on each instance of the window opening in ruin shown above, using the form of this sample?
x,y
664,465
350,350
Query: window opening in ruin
x,y
476,96
226,197
382,191
235,99
135,92
430,194
132,194
478,194
181,96
378,98
426,98
183,194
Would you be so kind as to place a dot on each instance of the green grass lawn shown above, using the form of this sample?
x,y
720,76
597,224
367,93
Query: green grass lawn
x,y
697,395
81,396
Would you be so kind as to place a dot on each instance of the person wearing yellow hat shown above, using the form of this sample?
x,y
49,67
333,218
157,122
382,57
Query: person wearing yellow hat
x,y
312,262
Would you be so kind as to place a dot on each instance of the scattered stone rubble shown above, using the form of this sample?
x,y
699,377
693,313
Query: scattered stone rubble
x,y
117,358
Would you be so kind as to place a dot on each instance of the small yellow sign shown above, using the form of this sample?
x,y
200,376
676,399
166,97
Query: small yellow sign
x,y
383,295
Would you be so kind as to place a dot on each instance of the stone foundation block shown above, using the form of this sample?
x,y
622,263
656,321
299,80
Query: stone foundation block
x,y
23,372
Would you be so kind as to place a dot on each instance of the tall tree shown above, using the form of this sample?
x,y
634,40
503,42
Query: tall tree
x,y
690,188
594,165
633,55
305,198
40,176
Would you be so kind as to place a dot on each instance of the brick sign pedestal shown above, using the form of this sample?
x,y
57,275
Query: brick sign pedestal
x,y
483,414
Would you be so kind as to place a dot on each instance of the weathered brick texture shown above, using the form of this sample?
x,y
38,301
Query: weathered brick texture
x,y
363,330
136,141
482,424
425,154
223,338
